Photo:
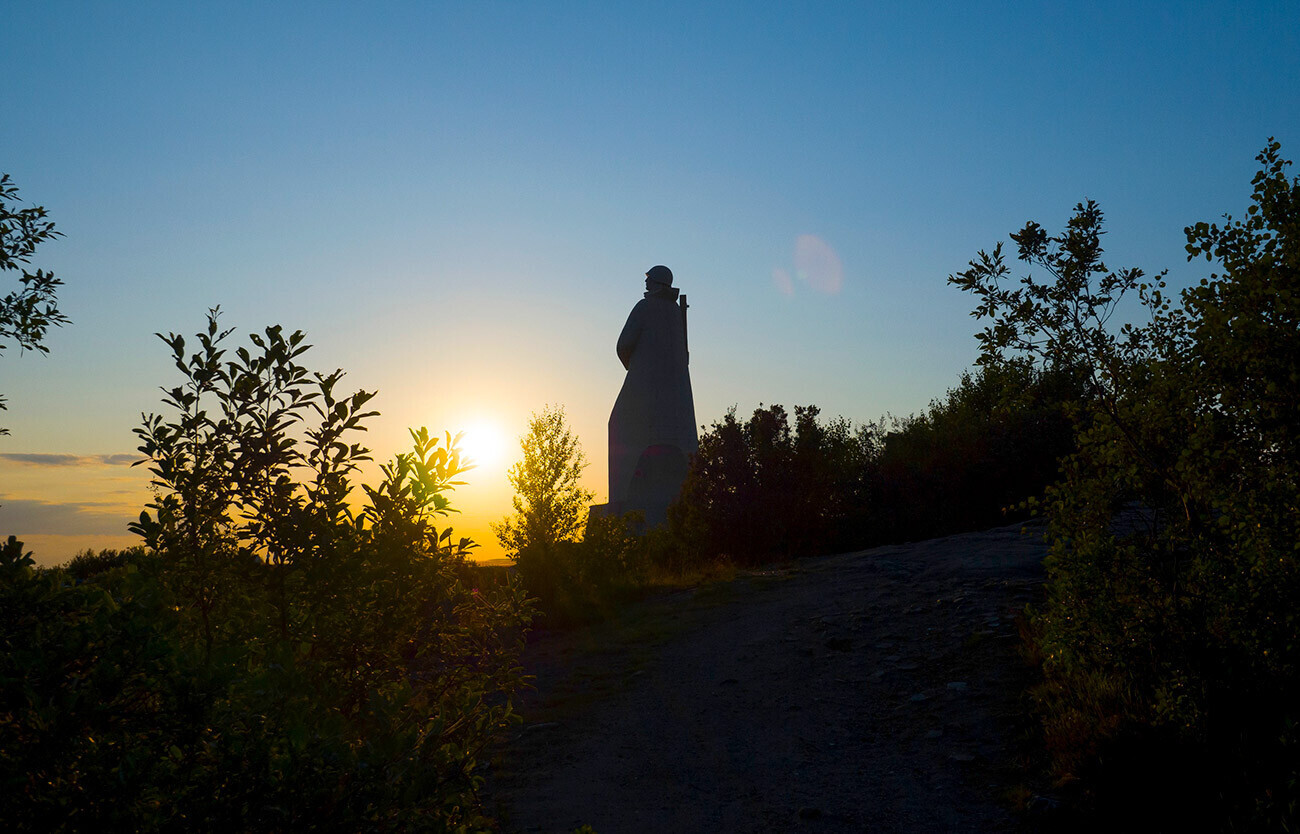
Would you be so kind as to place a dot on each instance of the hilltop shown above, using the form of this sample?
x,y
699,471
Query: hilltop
x,y
878,689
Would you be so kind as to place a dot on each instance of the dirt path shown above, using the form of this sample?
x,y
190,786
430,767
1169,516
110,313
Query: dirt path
x,y
871,691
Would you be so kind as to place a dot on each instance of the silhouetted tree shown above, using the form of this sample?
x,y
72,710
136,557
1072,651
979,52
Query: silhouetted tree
x,y
550,502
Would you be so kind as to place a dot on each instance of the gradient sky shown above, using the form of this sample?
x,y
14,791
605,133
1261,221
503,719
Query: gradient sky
x,y
457,201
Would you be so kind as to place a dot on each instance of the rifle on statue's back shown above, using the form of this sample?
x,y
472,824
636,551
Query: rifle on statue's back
x,y
681,301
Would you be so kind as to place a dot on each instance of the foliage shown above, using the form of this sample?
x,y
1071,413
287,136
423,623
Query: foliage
x,y
1169,635
991,443
27,313
579,569
585,581
550,503
90,563
761,489
275,660
90,696
611,552
758,490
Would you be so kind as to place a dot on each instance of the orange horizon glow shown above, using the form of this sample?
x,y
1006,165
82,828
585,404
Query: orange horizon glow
x,y
115,493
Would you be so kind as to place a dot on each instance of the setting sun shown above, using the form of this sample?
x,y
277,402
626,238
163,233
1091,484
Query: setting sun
x,y
483,444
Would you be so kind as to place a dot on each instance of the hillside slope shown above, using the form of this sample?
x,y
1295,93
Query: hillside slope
x,y
877,690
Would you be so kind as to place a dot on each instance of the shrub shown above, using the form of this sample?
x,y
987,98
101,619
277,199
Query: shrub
x,y
275,660
585,581
761,490
89,563
580,566
758,490
993,442
1169,634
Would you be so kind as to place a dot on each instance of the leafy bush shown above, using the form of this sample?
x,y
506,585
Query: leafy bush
x,y
1169,635
762,490
275,660
89,563
94,689
585,581
758,490
993,442
579,565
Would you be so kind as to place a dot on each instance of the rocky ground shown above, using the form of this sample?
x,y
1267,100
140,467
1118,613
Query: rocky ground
x,y
871,691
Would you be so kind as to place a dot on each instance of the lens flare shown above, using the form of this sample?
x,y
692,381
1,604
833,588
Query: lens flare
x,y
817,265
781,280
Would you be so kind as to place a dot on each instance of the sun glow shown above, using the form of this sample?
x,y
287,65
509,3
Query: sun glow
x,y
483,444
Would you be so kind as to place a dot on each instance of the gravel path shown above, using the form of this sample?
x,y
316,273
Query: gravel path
x,y
869,691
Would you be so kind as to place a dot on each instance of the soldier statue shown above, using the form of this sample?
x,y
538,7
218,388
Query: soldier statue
x,y
652,431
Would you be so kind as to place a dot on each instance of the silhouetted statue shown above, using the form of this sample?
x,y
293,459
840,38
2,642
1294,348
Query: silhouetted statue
x,y
652,431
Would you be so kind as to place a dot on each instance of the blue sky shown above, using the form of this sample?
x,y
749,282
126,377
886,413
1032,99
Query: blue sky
x,y
457,201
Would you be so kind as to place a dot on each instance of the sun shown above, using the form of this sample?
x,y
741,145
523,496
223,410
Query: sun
x,y
483,444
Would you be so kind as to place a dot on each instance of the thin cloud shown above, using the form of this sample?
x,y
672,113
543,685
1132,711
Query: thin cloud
x,y
31,459
23,517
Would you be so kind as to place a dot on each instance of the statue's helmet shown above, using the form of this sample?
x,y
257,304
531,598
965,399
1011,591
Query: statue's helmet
x,y
660,275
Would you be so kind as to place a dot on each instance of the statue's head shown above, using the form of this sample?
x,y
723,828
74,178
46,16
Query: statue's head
x,y
658,277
